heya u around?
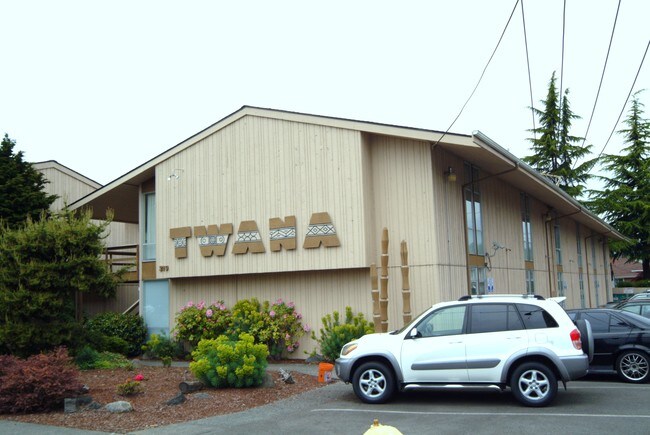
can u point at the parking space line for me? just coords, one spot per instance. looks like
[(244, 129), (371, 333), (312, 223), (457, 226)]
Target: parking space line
[(479, 414)]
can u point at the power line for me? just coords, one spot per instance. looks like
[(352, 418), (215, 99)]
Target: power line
[(626, 100), (482, 74), (530, 83), (602, 76)]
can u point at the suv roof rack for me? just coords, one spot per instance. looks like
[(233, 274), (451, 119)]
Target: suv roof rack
[(524, 296)]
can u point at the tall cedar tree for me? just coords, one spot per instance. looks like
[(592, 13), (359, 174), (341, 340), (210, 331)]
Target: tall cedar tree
[(21, 187), (555, 151), (625, 200), (43, 265)]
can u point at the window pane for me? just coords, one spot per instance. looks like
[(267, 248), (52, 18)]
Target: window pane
[(149, 233), (446, 321), (535, 317), (494, 318)]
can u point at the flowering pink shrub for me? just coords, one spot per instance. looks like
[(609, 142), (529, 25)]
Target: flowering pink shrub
[(195, 322), (277, 325), (284, 325)]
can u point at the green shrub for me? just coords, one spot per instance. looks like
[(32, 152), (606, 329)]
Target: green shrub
[(334, 334), (127, 327), (88, 358), (39, 383), (110, 360), (161, 346), (43, 264), (195, 322), (129, 388), (226, 363), (248, 318)]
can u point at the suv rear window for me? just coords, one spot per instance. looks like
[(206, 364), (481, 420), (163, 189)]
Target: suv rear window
[(535, 317), (494, 317)]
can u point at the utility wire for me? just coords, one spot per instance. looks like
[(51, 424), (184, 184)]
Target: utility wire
[(602, 76), (530, 82), (626, 100), (481, 77)]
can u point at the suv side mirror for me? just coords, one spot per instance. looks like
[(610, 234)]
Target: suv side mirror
[(414, 333)]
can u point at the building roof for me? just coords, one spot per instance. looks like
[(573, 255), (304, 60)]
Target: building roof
[(122, 194)]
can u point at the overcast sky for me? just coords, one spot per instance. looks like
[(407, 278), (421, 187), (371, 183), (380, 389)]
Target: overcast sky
[(103, 86)]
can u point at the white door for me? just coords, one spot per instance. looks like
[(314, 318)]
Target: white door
[(437, 352), (495, 332)]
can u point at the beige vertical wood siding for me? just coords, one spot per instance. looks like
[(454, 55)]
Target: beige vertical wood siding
[(66, 187), (257, 169), (126, 295)]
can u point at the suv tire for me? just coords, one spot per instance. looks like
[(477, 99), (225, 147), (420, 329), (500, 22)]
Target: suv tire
[(533, 384), (373, 382), (632, 366)]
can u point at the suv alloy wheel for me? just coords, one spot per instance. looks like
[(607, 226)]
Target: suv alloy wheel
[(534, 384)]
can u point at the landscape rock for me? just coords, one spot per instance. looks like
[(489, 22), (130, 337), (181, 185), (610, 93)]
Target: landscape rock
[(176, 400), (119, 406), (74, 404), (201, 396)]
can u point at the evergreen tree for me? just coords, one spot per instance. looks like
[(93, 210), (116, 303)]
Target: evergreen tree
[(556, 152), (43, 266), (625, 200), (21, 187)]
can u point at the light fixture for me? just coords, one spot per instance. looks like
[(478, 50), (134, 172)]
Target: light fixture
[(175, 175), (451, 175)]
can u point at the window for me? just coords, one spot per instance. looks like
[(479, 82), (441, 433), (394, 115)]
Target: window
[(530, 281), (494, 318), (560, 284), (445, 321), (526, 227), (478, 279), (535, 317), (149, 233), (599, 321), (473, 215)]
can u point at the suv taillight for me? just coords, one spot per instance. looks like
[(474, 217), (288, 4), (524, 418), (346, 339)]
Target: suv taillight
[(575, 338)]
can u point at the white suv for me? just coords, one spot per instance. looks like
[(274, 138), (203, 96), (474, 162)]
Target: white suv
[(523, 342)]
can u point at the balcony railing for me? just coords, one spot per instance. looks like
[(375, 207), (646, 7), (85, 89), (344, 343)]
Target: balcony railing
[(118, 257)]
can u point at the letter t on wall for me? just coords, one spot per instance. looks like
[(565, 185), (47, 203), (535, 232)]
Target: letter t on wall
[(180, 235)]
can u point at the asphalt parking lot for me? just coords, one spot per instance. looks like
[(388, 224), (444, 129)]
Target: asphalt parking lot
[(599, 405)]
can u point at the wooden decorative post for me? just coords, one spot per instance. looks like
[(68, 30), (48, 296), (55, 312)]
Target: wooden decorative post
[(376, 319), (406, 286), (383, 296)]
